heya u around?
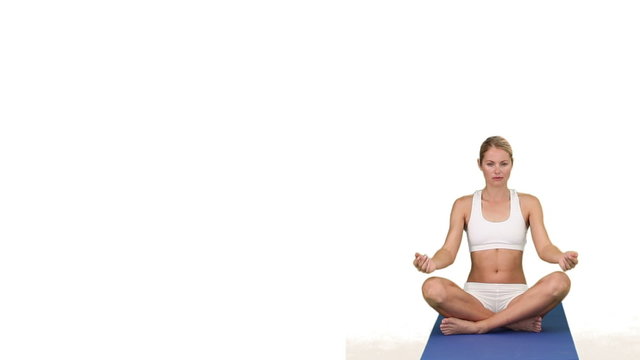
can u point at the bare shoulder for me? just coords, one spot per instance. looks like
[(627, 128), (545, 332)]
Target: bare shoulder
[(527, 197), (463, 201), (462, 205), (529, 201)]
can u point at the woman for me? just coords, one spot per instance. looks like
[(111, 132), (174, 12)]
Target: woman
[(496, 220)]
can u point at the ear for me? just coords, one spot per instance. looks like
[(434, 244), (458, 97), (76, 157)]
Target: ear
[(479, 164)]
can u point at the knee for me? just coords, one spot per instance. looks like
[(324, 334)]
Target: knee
[(559, 284), (434, 290)]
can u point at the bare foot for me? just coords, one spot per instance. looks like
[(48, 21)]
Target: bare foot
[(451, 326), (533, 324)]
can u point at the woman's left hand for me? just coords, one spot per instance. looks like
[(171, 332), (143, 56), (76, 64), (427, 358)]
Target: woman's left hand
[(568, 261)]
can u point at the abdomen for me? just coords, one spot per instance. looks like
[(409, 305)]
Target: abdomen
[(501, 266)]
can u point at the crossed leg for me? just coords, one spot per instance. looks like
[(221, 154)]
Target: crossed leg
[(466, 315), (453, 302)]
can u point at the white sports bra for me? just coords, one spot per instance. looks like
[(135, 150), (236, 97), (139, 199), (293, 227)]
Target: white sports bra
[(484, 235)]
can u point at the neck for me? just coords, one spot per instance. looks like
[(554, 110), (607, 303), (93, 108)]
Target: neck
[(495, 193)]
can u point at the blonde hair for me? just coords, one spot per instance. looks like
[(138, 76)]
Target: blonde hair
[(497, 142)]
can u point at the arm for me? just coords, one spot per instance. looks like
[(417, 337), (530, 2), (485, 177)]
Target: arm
[(447, 253), (545, 249)]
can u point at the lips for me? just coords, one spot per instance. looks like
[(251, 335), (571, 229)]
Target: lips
[(497, 178)]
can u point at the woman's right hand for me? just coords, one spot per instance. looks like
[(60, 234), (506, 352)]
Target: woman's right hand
[(424, 263)]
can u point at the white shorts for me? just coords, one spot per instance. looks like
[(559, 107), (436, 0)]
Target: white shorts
[(495, 297)]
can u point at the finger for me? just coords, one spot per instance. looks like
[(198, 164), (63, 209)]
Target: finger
[(415, 261), (423, 259), (432, 266), (575, 262), (428, 265), (569, 264), (562, 264), (425, 265)]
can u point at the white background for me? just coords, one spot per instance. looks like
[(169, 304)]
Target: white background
[(186, 179)]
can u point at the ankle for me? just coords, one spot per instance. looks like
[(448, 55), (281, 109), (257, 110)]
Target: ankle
[(482, 328)]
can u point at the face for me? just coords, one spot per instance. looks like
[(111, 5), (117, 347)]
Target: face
[(496, 166)]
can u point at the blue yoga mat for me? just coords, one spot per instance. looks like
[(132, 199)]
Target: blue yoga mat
[(553, 343)]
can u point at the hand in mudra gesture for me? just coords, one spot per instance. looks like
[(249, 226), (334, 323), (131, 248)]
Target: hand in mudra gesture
[(568, 261), (424, 263)]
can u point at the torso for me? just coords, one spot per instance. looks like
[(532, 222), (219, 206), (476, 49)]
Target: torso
[(497, 265)]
